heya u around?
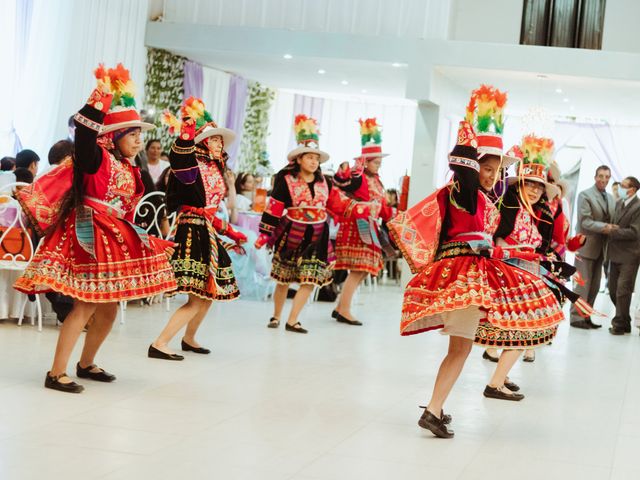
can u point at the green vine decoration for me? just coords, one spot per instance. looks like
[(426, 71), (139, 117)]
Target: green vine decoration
[(164, 89), (253, 148)]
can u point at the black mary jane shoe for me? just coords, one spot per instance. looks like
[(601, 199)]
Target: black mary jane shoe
[(435, 425), (54, 383), (491, 358), (595, 326), (99, 376), (446, 419), (190, 348), (499, 394), (155, 353), (511, 386), (334, 314), (343, 319), (296, 327), (273, 323)]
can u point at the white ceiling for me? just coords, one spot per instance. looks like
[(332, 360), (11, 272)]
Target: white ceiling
[(615, 101), (375, 78)]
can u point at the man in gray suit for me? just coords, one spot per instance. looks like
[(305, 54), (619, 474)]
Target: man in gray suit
[(595, 216), (623, 254)]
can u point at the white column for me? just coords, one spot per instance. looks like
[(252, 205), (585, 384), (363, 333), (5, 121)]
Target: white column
[(423, 167)]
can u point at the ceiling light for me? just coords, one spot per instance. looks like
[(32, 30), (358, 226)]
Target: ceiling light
[(344, 82), (558, 90), (287, 56), (396, 64), (364, 90), (322, 71), (565, 100)]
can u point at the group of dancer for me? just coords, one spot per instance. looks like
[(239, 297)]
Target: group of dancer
[(92, 251), (487, 253), (486, 249)]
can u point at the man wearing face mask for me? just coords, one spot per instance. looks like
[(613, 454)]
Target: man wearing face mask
[(595, 217), (624, 254)]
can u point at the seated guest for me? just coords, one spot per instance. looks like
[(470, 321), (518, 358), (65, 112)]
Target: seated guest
[(7, 164), (60, 151), (28, 159), (245, 187), (155, 165), (23, 175)]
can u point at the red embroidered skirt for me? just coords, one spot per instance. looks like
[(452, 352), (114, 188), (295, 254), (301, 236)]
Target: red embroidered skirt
[(124, 268), (353, 254), (513, 299)]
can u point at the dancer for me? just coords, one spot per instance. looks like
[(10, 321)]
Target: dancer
[(300, 237), (196, 187), (92, 252), (358, 247), (525, 233), (447, 241)]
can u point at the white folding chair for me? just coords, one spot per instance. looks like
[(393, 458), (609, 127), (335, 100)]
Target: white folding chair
[(151, 206), (12, 222)]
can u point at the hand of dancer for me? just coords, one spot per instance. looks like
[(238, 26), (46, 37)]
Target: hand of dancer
[(361, 210), (235, 235), (100, 98), (575, 243), (188, 129), (261, 241)]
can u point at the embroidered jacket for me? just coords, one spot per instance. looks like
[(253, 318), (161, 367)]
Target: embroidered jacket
[(302, 202), (364, 187), (196, 177)]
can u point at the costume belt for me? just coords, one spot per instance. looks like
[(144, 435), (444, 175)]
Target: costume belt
[(85, 227), (308, 215)]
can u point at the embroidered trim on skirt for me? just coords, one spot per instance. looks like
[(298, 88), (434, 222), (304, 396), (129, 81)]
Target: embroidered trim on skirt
[(353, 254), (192, 258), (121, 268), (490, 336), (303, 254), (512, 298)]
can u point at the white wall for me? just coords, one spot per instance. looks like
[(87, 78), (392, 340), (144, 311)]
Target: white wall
[(621, 32), (495, 21)]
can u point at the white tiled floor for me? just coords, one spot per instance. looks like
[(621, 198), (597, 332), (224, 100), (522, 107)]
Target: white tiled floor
[(339, 403)]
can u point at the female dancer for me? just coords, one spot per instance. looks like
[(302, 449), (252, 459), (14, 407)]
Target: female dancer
[(300, 237), (447, 240), (358, 247), (196, 187), (525, 235), (91, 251)]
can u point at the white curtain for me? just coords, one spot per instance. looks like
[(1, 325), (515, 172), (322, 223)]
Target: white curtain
[(340, 132), (65, 43), (215, 93)]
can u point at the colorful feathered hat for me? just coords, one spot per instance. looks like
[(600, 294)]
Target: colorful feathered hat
[(194, 108), (307, 138), (485, 112), (537, 154), (122, 114), (371, 139)]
